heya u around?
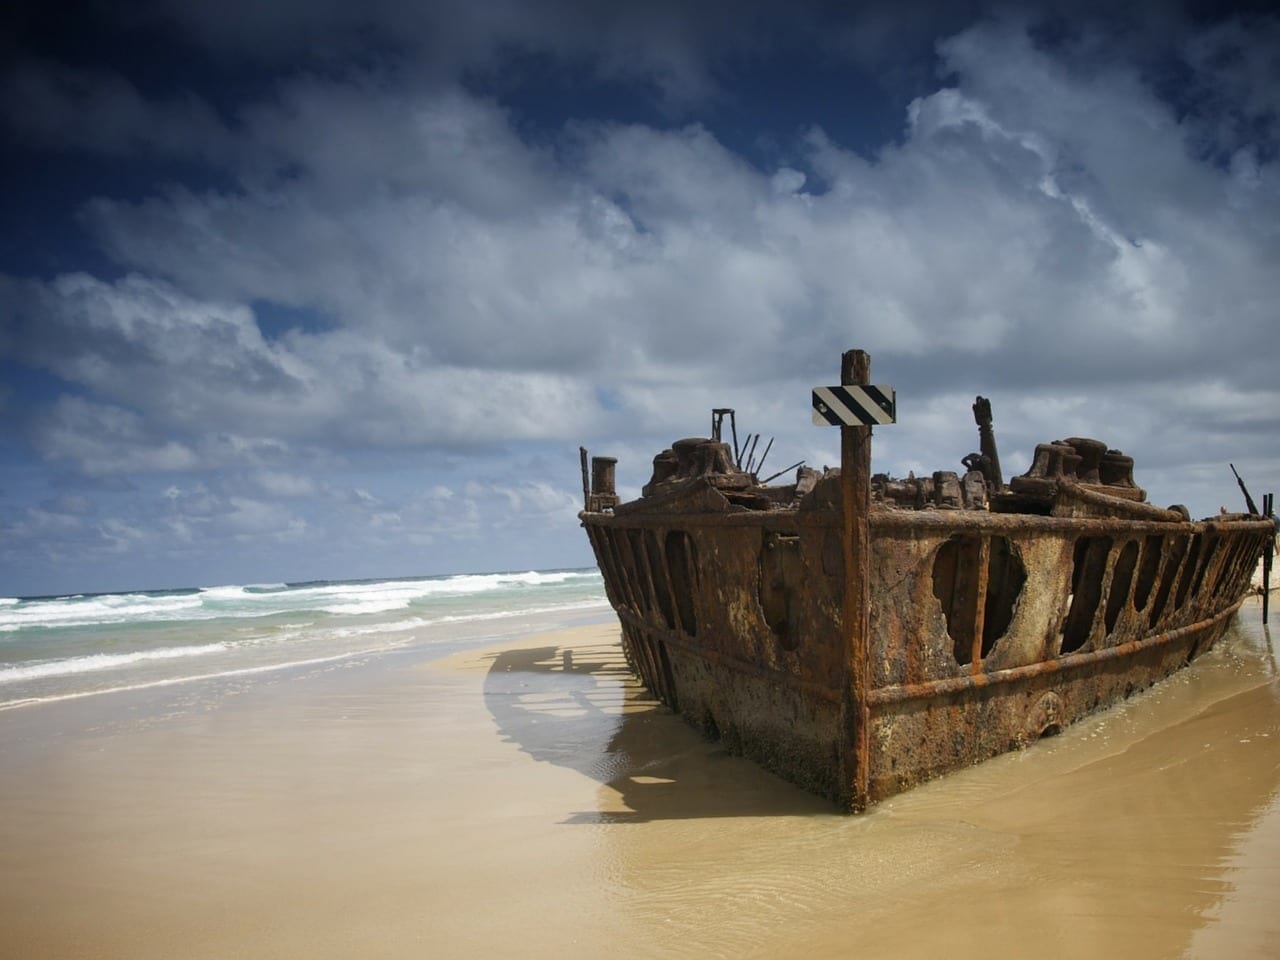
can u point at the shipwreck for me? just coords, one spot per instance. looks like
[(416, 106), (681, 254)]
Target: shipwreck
[(859, 634)]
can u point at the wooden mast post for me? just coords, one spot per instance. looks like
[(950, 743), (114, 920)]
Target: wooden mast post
[(855, 483)]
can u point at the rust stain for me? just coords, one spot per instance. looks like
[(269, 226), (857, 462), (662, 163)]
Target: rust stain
[(994, 613)]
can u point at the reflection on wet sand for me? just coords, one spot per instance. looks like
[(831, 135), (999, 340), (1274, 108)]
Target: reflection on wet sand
[(1152, 830)]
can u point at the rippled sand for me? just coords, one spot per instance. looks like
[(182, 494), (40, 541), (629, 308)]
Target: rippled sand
[(531, 801)]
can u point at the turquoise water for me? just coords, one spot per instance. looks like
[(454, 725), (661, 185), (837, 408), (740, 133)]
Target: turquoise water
[(60, 647)]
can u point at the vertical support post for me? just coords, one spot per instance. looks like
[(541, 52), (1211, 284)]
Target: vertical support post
[(1269, 511), (980, 606), (586, 483), (855, 485)]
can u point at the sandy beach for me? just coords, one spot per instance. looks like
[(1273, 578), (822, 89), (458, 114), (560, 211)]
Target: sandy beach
[(530, 800)]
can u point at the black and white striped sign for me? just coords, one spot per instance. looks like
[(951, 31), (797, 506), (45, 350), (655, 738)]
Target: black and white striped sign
[(851, 406)]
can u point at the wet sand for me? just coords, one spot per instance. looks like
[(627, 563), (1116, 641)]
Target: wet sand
[(531, 801)]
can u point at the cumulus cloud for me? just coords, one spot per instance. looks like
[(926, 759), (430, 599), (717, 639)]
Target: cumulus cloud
[(1026, 189), (102, 440), (189, 382), (437, 225), (1050, 227)]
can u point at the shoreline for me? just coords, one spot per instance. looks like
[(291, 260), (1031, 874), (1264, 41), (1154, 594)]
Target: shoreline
[(439, 637)]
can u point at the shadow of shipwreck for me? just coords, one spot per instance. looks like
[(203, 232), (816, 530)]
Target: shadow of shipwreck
[(580, 707)]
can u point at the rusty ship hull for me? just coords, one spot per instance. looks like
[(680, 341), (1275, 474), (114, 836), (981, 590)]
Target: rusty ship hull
[(982, 626)]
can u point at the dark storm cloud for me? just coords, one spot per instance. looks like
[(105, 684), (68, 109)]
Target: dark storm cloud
[(53, 105)]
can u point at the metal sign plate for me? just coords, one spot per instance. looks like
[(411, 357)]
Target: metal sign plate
[(850, 406)]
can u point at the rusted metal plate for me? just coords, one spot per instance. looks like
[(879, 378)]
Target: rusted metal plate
[(990, 619)]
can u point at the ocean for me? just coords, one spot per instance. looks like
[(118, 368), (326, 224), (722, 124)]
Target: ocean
[(54, 648)]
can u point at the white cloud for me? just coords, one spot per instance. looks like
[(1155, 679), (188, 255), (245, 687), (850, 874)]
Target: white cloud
[(1047, 230), (278, 483), (103, 440), (1041, 218), (187, 382), (1034, 208)]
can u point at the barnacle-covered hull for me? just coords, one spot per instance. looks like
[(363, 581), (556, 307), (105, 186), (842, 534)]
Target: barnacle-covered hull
[(985, 629)]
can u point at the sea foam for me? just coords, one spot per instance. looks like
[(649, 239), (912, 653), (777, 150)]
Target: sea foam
[(52, 648)]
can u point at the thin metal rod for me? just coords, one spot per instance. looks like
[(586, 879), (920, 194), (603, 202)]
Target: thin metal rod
[(1253, 508), (971, 681), (768, 446), (775, 476), (1268, 508)]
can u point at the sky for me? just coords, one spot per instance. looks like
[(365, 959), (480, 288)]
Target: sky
[(321, 290)]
